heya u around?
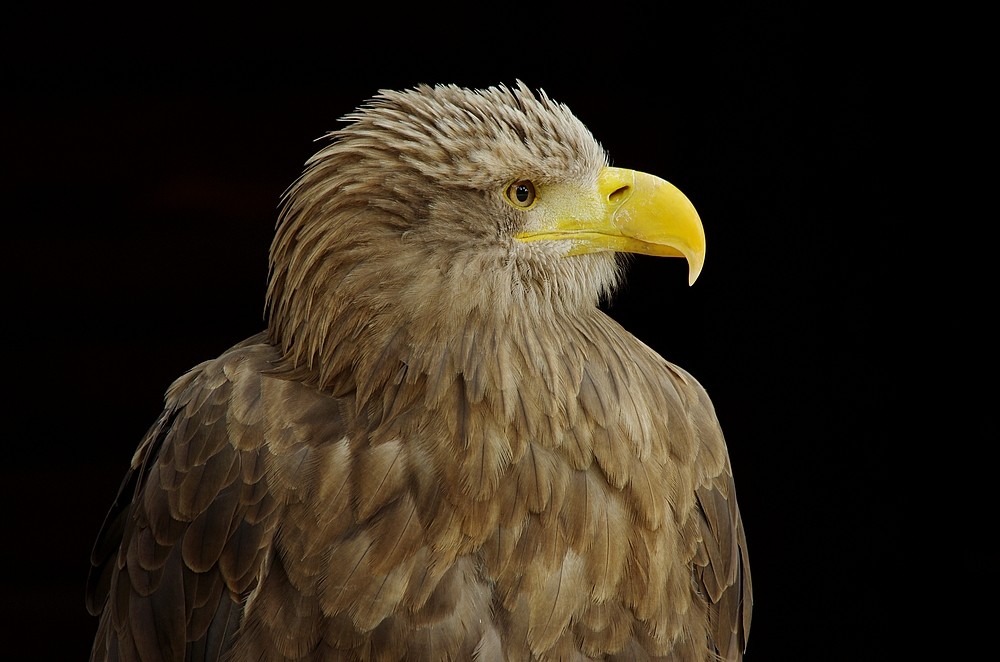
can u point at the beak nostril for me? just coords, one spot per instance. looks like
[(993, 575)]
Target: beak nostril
[(620, 194)]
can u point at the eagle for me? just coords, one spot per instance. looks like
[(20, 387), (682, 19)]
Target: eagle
[(440, 448)]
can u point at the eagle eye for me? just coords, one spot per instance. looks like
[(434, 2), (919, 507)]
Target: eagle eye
[(521, 193)]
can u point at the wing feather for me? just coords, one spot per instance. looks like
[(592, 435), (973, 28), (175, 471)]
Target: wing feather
[(721, 565), (191, 520)]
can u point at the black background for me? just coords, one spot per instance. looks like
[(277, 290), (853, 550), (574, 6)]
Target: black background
[(145, 154)]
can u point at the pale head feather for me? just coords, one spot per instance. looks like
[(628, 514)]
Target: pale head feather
[(400, 222)]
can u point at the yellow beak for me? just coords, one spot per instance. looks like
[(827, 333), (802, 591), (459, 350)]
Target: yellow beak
[(629, 212)]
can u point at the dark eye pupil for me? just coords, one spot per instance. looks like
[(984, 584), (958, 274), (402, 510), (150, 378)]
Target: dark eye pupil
[(522, 193)]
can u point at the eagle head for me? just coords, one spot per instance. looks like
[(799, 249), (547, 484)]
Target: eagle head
[(443, 203)]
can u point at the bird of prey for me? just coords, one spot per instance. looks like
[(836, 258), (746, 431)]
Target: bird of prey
[(440, 448)]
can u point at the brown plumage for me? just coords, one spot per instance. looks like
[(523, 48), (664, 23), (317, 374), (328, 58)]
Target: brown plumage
[(440, 449)]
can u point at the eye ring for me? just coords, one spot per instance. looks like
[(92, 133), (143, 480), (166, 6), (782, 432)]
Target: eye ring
[(521, 193)]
